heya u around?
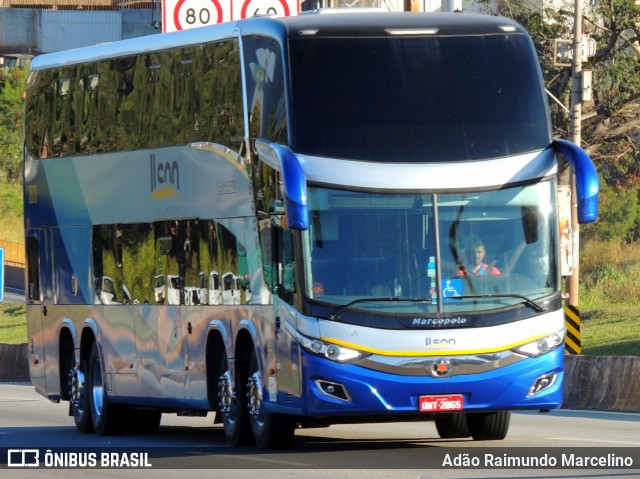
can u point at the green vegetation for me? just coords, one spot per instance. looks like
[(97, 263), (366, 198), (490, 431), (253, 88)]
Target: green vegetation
[(611, 331), (610, 275), (609, 298), (13, 323), (12, 85), (11, 223)]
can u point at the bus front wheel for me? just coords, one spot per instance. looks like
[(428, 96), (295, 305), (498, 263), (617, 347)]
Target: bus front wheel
[(270, 430), (489, 426), (452, 426)]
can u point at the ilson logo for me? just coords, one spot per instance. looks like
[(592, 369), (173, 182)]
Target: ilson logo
[(430, 341), (165, 178)]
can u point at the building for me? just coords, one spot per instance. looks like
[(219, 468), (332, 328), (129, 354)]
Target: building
[(80, 4), (43, 26)]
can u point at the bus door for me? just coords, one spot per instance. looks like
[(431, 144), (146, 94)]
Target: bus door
[(285, 285), (39, 298)]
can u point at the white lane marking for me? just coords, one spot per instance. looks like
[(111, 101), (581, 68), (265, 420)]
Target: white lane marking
[(18, 400), (274, 461), (594, 440)]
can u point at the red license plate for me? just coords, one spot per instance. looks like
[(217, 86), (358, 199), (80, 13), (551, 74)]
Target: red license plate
[(452, 402)]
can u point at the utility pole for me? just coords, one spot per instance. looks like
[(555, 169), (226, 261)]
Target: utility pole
[(576, 137)]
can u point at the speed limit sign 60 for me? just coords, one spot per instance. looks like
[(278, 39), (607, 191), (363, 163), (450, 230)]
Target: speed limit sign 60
[(250, 8), (184, 14)]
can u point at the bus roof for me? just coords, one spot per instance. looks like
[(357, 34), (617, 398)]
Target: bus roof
[(303, 25)]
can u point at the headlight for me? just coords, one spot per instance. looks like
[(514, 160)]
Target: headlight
[(330, 351), (543, 345)]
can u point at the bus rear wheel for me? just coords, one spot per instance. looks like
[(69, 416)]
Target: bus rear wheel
[(107, 418), (79, 399), (489, 426), (270, 430), (235, 418)]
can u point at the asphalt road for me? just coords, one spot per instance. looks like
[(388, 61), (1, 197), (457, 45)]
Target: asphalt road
[(11, 295), (396, 450)]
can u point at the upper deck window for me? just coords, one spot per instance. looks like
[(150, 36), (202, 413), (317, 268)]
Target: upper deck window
[(417, 99)]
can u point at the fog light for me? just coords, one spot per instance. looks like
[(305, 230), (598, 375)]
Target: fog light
[(542, 383), (334, 390)]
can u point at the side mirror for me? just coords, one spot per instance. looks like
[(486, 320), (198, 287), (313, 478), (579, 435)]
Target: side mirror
[(286, 162), (587, 183)]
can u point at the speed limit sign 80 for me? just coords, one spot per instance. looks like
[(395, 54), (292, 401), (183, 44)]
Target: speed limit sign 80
[(184, 14)]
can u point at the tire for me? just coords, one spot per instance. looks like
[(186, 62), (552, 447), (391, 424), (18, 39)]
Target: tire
[(232, 406), (143, 422), (107, 418), (453, 426), (270, 430), (79, 399), (489, 426)]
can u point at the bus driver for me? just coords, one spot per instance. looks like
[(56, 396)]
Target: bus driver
[(474, 256)]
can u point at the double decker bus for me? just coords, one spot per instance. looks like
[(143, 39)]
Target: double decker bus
[(277, 220)]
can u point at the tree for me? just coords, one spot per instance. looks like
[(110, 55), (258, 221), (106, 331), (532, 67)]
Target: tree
[(12, 87), (611, 122)]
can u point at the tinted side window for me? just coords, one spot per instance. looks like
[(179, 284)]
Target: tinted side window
[(265, 89)]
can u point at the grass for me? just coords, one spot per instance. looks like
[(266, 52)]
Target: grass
[(11, 222), (611, 331), (610, 299), (13, 323)]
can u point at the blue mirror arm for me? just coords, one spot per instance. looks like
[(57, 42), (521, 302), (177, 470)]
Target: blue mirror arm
[(587, 183), (295, 187)]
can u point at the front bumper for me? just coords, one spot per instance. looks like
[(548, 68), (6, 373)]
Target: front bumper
[(361, 391)]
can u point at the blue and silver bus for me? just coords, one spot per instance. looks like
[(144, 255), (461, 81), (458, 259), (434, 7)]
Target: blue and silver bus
[(298, 222)]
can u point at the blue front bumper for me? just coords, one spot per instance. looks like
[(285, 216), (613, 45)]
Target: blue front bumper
[(377, 393)]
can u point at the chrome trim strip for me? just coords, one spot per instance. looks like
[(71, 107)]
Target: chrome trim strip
[(423, 366)]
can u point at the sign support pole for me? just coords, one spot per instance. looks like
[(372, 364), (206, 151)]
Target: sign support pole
[(576, 119)]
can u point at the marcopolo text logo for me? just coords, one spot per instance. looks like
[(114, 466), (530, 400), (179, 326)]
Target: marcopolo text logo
[(441, 322)]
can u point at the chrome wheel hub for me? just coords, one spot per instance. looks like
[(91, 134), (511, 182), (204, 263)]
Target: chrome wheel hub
[(254, 395), (76, 388), (225, 393)]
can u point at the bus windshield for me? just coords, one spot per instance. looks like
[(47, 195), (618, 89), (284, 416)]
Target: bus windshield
[(487, 250), (417, 99)]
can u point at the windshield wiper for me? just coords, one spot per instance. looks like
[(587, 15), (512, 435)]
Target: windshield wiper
[(524, 299), (336, 314)]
